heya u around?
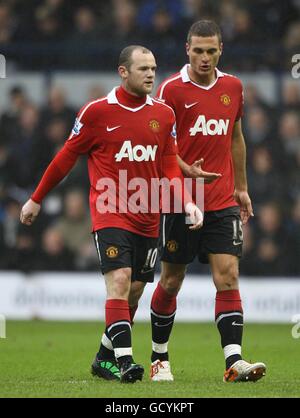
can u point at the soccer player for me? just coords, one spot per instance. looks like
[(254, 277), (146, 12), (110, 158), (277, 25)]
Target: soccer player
[(208, 105), (126, 132)]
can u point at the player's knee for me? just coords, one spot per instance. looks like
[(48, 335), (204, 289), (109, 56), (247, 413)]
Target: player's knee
[(228, 276), (172, 282), (119, 285)]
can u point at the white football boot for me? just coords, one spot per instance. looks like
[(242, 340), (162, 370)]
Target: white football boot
[(161, 371), (242, 371)]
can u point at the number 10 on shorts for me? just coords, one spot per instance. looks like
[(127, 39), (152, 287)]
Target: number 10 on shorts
[(151, 258)]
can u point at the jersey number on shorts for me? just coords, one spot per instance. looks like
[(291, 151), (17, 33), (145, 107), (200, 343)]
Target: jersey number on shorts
[(237, 232), (151, 258)]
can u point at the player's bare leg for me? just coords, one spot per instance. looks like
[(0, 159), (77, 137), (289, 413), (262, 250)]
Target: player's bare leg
[(163, 311), (136, 291), (229, 319), (118, 324)]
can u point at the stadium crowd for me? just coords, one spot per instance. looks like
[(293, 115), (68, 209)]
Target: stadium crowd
[(30, 135), (47, 34)]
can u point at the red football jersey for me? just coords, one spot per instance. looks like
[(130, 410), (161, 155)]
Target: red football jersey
[(128, 140), (205, 117)]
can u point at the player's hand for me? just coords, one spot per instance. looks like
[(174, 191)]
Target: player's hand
[(29, 212), (196, 171), (194, 215), (244, 201)]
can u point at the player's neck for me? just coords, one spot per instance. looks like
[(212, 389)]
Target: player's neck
[(129, 98), (202, 80)]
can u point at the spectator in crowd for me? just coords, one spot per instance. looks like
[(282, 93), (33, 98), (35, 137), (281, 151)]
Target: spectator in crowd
[(289, 136), (291, 95), (95, 92), (75, 227), (9, 118), (124, 25), (7, 23), (22, 256), (253, 99), (258, 126), (54, 255), (84, 38), (22, 145), (58, 108), (272, 240), (265, 182)]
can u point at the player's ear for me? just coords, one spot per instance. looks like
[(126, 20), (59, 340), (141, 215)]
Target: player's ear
[(221, 48), (123, 72), (187, 48)]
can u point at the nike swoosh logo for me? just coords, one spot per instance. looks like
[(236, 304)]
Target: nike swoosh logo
[(146, 271), (237, 325), (165, 325), (187, 106), (237, 243), (112, 129), (121, 332)]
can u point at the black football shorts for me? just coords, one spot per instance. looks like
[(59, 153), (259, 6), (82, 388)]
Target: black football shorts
[(221, 233), (118, 248)]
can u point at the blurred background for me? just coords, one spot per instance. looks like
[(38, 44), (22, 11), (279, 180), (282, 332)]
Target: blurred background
[(61, 54)]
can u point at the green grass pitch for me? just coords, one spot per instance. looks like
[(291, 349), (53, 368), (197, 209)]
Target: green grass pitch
[(52, 359)]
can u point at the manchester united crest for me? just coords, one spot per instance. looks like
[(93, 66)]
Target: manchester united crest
[(172, 246), (225, 99), (112, 252), (154, 125)]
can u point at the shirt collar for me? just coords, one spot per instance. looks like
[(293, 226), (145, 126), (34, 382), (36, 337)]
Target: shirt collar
[(186, 78), (112, 99)]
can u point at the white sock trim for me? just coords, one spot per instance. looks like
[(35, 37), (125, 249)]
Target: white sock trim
[(162, 316), (120, 352), (227, 315), (232, 349), (160, 348), (116, 324), (106, 342)]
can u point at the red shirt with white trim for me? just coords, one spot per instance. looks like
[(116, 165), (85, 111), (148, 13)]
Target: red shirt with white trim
[(205, 117), (119, 132)]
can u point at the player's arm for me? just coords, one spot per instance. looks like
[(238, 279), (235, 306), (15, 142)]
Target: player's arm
[(238, 150), (195, 170)]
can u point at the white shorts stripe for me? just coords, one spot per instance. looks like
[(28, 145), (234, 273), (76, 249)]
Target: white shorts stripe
[(97, 246), (164, 231)]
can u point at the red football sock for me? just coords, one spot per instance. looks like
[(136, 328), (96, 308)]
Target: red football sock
[(228, 301), (162, 302), (116, 310)]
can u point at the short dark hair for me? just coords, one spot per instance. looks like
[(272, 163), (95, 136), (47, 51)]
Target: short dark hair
[(204, 28), (125, 58)]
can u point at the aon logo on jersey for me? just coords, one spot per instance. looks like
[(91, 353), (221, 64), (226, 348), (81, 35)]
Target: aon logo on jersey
[(210, 127), (138, 153)]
